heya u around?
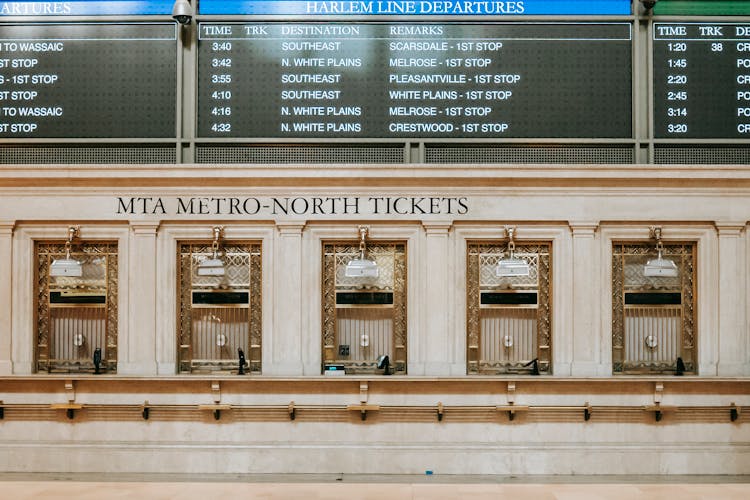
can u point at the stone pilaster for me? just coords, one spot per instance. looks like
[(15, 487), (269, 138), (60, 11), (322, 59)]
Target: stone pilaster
[(586, 300), (732, 332), (436, 338), (137, 352), (286, 337), (6, 295)]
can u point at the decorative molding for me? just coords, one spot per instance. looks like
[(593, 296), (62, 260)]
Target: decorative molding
[(437, 228), (585, 229), (290, 228), (143, 228), (7, 227), (730, 229)]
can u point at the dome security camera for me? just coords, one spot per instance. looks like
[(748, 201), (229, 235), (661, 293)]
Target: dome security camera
[(182, 12)]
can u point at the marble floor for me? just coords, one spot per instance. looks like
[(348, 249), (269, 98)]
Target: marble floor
[(324, 487)]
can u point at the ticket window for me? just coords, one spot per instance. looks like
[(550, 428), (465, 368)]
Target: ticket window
[(364, 316), (219, 307), (653, 301), (76, 295), (508, 309)]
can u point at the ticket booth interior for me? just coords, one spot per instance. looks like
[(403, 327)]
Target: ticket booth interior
[(364, 306), (219, 306), (653, 298), (76, 314), (508, 307)]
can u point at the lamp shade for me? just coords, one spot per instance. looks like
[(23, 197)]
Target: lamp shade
[(361, 268), (66, 267), (511, 267), (211, 267), (660, 268)]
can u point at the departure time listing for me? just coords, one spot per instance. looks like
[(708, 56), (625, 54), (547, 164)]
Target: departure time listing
[(701, 80), (378, 80)]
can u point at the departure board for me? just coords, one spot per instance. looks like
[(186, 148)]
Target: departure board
[(422, 80), (97, 80), (701, 80)]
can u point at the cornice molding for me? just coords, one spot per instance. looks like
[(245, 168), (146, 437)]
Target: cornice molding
[(572, 177)]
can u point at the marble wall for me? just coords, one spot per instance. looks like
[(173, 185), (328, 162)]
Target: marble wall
[(435, 210)]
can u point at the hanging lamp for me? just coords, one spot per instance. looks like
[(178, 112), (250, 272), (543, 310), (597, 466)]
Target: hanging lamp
[(213, 266), (511, 266), (659, 267), (362, 267), (67, 266)]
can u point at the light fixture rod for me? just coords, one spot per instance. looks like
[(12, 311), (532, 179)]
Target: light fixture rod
[(72, 234), (656, 234), (218, 234), (511, 243), (363, 231)]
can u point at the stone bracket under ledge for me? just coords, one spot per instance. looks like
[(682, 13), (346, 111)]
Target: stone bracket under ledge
[(386, 413)]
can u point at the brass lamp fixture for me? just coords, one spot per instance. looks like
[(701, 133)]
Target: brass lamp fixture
[(511, 265), (659, 267), (362, 267), (213, 266), (67, 266)]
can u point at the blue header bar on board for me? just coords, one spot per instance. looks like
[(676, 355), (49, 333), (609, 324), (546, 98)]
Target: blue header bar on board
[(321, 7), (414, 7), (86, 8)]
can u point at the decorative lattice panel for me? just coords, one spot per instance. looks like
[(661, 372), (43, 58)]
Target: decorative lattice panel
[(68, 329), (507, 337), (211, 335), (369, 330), (650, 334)]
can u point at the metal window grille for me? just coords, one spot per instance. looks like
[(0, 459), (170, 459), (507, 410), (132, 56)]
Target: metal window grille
[(653, 318), (508, 318), (355, 332), (220, 314), (76, 315)]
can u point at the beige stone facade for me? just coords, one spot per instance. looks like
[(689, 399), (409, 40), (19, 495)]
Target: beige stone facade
[(581, 418)]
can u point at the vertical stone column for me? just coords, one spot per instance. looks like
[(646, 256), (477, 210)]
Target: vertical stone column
[(562, 304), (167, 312), (435, 333), (137, 349), (6, 294), (732, 332), (586, 301), (288, 273)]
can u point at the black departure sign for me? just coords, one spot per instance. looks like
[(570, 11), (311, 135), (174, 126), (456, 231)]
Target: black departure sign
[(377, 80), (701, 80), (88, 80)]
